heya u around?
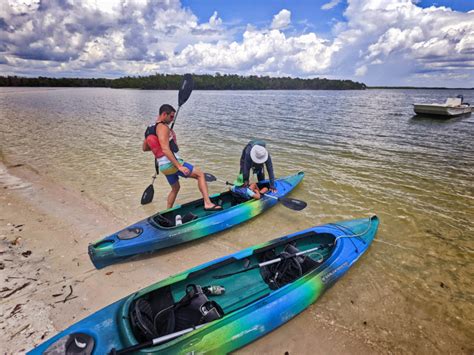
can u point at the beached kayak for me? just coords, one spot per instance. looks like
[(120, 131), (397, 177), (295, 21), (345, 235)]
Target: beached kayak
[(227, 303), (160, 230)]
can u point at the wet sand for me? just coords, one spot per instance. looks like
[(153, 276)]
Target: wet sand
[(48, 282)]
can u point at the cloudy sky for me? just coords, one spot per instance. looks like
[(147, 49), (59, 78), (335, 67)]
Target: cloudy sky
[(378, 42)]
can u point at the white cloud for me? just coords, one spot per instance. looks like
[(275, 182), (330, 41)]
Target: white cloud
[(330, 5), (400, 37), (281, 20), (261, 52), (361, 71), (214, 20)]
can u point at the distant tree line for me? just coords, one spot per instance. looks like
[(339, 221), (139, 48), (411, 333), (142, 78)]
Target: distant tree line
[(54, 82), (201, 82)]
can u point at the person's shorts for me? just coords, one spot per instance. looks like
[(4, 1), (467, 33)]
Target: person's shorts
[(172, 174), (242, 191)]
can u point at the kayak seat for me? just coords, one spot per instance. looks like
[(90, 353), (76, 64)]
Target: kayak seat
[(141, 319), (288, 270), (237, 199), (143, 312), (163, 221), (157, 314), (195, 308), (188, 217)]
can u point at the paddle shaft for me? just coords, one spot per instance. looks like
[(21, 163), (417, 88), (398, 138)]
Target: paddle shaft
[(274, 197), (154, 342), (175, 117), (273, 261)]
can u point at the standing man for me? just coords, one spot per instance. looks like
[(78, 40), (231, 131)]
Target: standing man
[(161, 140), (254, 156)]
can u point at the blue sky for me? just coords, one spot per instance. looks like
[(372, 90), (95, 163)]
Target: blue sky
[(305, 14), (378, 42)]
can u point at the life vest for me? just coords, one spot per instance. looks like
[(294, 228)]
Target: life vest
[(154, 143)]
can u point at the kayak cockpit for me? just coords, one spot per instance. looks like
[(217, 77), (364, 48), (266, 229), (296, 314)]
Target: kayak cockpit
[(194, 210), (218, 290)]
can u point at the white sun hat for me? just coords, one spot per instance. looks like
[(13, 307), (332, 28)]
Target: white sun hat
[(258, 154)]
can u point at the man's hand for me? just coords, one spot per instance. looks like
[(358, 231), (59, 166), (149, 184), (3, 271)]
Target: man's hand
[(273, 189), (184, 170)]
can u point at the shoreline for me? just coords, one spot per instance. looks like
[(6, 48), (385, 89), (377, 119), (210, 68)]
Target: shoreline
[(49, 283)]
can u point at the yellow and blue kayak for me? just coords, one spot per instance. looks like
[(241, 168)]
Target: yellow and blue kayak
[(224, 304), (161, 231)]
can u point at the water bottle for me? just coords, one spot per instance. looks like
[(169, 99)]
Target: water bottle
[(179, 220), (213, 290)]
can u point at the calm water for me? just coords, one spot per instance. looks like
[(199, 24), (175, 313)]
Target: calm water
[(363, 152)]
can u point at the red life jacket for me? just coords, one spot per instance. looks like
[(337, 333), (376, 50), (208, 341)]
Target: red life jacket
[(154, 143)]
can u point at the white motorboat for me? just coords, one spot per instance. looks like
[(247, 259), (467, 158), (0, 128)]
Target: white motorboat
[(454, 106)]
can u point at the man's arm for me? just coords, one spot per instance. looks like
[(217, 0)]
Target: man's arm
[(145, 146), (271, 175), (247, 165)]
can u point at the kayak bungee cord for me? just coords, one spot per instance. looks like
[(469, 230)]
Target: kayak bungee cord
[(358, 235), (375, 240)]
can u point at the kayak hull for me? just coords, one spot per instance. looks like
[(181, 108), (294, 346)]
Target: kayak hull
[(110, 329), (151, 236)]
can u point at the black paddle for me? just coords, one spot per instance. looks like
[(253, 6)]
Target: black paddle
[(209, 177), (291, 203), (273, 261), (185, 91), (149, 192)]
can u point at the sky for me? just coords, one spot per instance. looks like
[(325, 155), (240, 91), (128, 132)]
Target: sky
[(377, 42)]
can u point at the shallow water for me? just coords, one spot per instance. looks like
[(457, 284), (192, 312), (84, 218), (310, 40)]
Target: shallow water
[(363, 152)]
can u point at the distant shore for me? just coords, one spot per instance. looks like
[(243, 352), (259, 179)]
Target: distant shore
[(205, 82), (201, 82), (415, 88)]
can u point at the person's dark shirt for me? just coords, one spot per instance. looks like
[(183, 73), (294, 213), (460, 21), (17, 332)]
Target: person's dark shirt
[(246, 163)]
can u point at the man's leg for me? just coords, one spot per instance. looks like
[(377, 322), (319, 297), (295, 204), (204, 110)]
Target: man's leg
[(173, 180), (172, 195), (202, 184)]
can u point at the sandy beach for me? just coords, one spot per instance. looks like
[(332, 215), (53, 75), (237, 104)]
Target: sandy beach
[(48, 281)]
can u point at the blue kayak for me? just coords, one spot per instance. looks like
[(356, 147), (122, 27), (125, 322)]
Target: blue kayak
[(224, 304), (160, 230)]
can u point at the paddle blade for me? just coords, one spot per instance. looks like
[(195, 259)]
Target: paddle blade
[(209, 177), (185, 89), (147, 196), (293, 203)]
